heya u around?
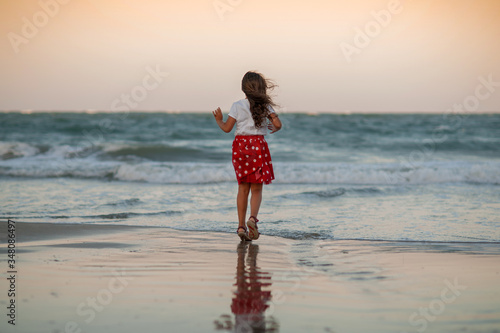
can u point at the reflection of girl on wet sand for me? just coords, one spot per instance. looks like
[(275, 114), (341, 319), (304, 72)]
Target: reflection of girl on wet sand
[(250, 301)]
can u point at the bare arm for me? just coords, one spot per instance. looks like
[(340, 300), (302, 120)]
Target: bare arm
[(275, 125), (226, 126)]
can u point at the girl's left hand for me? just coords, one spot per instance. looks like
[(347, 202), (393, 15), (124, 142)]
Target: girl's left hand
[(217, 114), (271, 128)]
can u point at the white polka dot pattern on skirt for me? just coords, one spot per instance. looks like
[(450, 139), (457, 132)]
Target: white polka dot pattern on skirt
[(253, 166)]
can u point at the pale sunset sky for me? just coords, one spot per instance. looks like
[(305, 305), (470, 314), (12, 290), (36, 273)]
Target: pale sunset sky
[(325, 55)]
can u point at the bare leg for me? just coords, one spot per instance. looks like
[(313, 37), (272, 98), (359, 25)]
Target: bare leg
[(242, 202), (255, 199)]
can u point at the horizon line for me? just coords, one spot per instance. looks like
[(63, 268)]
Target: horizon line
[(344, 112)]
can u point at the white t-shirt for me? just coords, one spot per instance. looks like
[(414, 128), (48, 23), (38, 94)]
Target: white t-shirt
[(245, 125)]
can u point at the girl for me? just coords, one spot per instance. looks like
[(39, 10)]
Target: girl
[(251, 157)]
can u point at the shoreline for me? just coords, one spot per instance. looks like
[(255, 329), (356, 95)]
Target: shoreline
[(101, 278), (52, 230)]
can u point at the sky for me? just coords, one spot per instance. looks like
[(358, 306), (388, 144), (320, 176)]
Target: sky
[(190, 55)]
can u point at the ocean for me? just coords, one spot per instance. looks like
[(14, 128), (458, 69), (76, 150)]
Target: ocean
[(394, 177)]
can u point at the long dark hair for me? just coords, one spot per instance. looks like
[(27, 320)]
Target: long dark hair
[(255, 87)]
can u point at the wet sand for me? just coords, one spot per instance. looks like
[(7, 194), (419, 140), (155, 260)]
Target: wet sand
[(94, 278)]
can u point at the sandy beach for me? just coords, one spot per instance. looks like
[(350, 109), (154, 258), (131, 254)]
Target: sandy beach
[(96, 278)]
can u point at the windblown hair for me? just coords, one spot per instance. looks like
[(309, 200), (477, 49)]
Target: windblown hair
[(255, 87)]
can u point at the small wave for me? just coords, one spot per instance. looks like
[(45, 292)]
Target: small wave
[(71, 152), (337, 192), (327, 194), (9, 150), (300, 235), (126, 215), (126, 202), (366, 190), (17, 150), (115, 216)]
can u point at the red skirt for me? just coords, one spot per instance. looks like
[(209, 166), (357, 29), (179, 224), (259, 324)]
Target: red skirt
[(252, 159)]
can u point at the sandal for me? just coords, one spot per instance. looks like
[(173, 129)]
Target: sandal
[(253, 232), (243, 235)]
